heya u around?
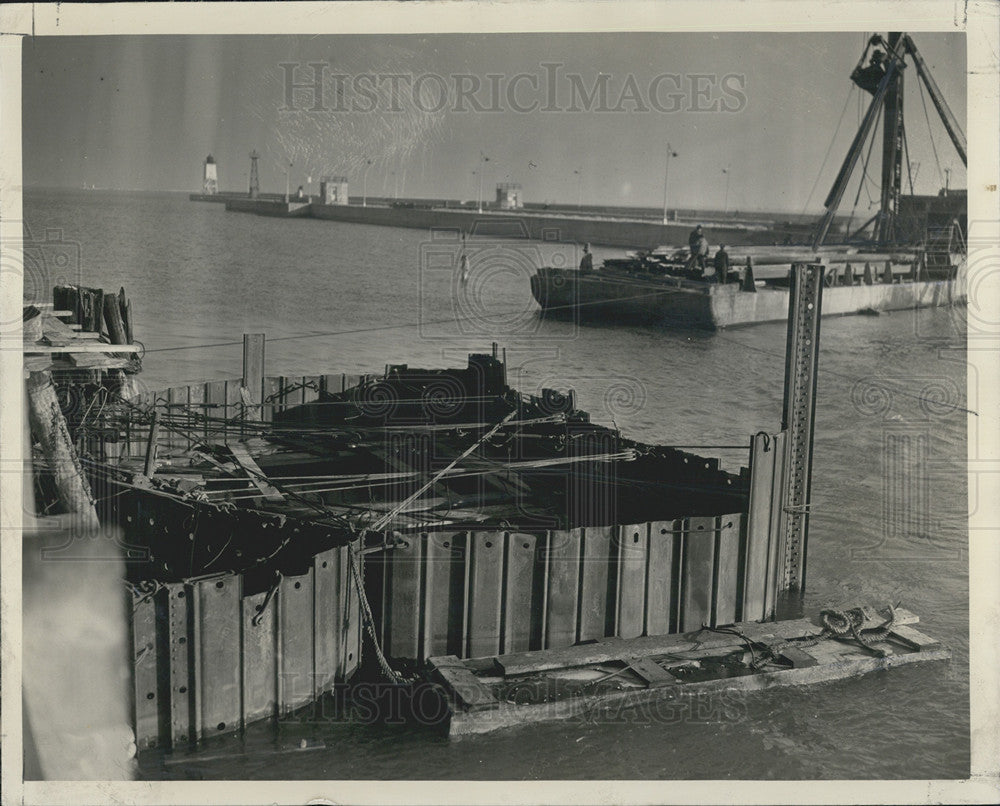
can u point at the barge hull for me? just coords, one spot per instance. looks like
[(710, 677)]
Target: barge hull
[(683, 303)]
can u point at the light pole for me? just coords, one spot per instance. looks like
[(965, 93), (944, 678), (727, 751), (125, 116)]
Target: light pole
[(364, 184), (579, 184), (725, 206), (483, 159), (666, 176), (395, 187), (288, 171)]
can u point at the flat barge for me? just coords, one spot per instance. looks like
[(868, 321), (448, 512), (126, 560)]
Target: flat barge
[(649, 290)]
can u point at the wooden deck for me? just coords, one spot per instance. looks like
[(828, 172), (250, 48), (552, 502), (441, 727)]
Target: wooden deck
[(581, 682)]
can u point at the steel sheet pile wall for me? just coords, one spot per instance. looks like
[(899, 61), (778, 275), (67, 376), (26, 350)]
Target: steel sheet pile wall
[(209, 660), (474, 594)]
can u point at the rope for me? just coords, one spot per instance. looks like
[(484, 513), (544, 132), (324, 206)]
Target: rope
[(844, 624), (369, 622)]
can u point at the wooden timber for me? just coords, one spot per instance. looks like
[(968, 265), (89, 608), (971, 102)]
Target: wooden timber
[(575, 683)]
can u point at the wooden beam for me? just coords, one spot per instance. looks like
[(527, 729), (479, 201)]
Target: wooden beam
[(49, 427), (81, 347), (246, 461), (462, 683)]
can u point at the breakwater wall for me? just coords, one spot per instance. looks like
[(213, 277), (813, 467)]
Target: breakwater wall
[(557, 228)]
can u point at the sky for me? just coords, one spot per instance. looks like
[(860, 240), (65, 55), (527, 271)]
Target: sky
[(752, 121)]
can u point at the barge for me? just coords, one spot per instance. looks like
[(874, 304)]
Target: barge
[(655, 288), (910, 254)]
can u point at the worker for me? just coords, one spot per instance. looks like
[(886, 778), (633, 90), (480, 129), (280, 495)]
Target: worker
[(587, 261), (722, 265), (698, 245)]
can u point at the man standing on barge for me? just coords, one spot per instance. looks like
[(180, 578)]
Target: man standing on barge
[(698, 245)]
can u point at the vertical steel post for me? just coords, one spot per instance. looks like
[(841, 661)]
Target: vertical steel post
[(797, 419)]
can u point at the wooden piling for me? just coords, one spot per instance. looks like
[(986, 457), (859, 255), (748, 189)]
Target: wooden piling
[(253, 374), (113, 320), (49, 428)]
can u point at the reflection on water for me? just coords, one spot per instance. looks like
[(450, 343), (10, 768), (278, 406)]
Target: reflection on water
[(889, 489)]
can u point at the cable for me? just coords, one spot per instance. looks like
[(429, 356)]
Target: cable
[(829, 148), (930, 132)]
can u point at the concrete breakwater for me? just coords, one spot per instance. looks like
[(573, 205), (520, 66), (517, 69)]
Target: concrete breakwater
[(604, 231)]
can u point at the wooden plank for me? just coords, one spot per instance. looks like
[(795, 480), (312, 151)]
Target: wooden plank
[(848, 663), (727, 563), (82, 346), (633, 542), (698, 560), (253, 370), (462, 683), (485, 576), (253, 471), (799, 658), (652, 673), (596, 582), (774, 548), (914, 639)]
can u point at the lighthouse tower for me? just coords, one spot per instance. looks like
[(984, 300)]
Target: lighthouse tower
[(210, 183)]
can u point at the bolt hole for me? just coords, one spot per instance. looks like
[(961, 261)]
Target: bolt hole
[(447, 544), (183, 690), (182, 640), (526, 545), (324, 563), (701, 527), (663, 531), (489, 544), (350, 656), (221, 726), (298, 585), (180, 594), (151, 696), (220, 584)]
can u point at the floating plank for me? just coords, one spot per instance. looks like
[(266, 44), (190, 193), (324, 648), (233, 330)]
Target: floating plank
[(913, 638), (654, 674), (463, 684), (246, 461), (818, 660)]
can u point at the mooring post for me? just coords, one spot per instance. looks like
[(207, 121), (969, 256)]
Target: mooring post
[(797, 421), (49, 427), (253, 375)]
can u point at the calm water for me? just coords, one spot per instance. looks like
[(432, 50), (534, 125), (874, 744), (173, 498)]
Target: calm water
[(366, 296)]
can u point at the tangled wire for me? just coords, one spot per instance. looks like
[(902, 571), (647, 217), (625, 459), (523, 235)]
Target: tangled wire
[(844, 624)]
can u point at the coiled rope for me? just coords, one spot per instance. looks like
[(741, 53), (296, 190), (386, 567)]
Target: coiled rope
[(844, 624)]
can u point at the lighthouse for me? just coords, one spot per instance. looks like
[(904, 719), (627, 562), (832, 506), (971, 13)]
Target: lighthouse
[(210, 182)]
